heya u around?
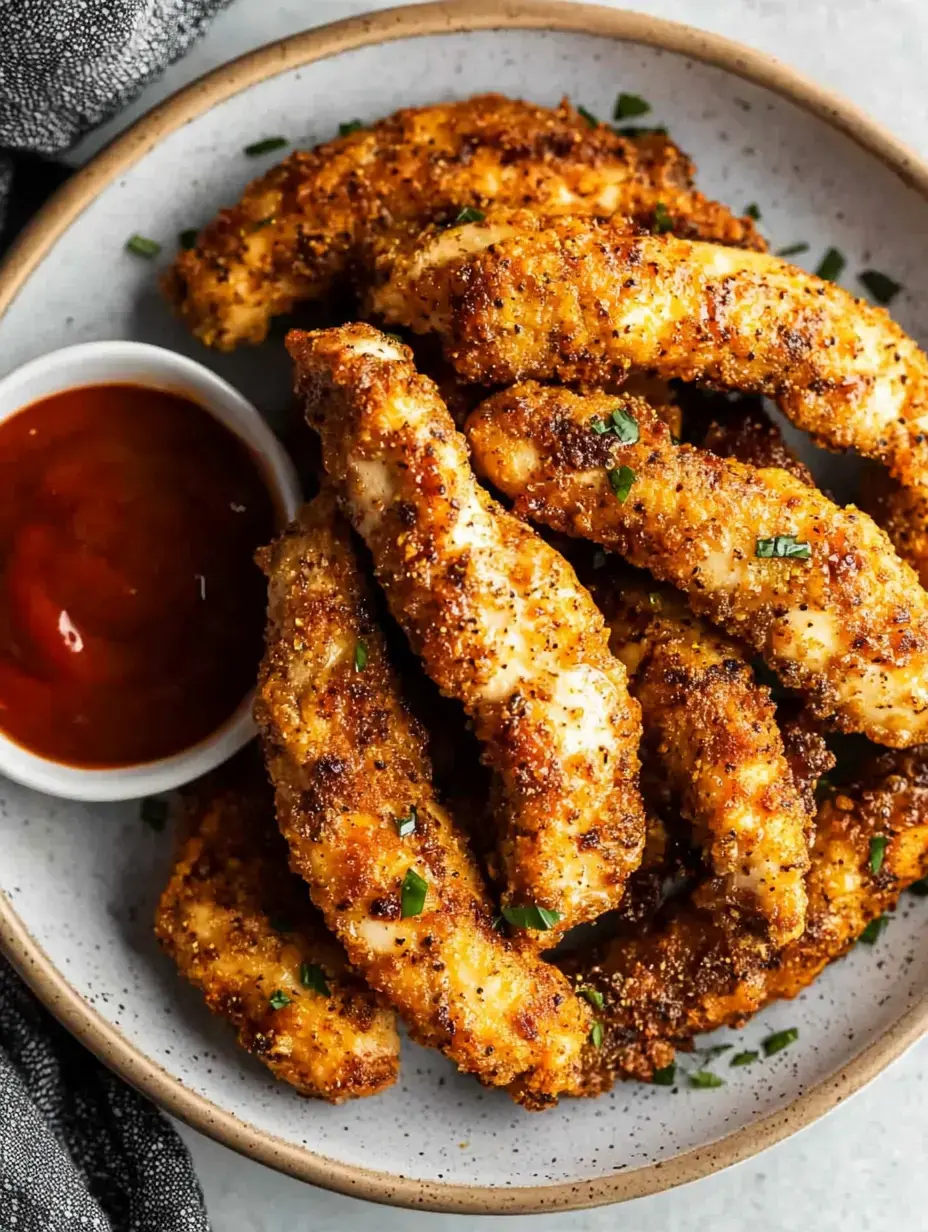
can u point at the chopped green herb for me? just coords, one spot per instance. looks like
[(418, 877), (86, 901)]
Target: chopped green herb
[(278, 999), (878, 845), (349, 127), (919, 888), (621, 479), (312, 976), (744, 1058), (662, 220), (142, 246), (704, 1079), (628, 106), (665, 1077), (620, 424), (596, 1035), (594, 996), (406, 825), (709, 1054), (591, 119), (154, 813), (872, 932), (265, 146), (883, 288), (793, 250), (530, 916), (642, 130), (412, 898), (360, 656), (468, 214), (188, 239), (831, 265), (779, 1040), (784, 546), (753, 211)]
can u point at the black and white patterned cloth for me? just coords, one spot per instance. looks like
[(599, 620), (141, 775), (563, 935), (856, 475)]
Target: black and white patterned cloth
[(79, 1150)]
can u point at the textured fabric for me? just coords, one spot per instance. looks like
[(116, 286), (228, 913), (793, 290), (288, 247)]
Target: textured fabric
[(78, 1148)]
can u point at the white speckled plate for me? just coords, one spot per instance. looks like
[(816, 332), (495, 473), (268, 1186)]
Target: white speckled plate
[(80, 882)]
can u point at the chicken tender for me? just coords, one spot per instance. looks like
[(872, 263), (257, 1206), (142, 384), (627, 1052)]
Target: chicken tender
[(713, 730), (501, 623), (297, 227), (903, 514), (240, 927), (691, 974), (740, 428), (384, 862), (815, 589)]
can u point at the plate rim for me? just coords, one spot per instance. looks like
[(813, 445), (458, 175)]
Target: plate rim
[(25, 256)]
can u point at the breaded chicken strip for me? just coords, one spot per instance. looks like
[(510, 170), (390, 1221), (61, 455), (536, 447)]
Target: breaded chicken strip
[(240, 927), (691, 974), (384, 862), (501, 623), (903, 514), (582, 300), (713, 730), (815, 589), (740, 428), (296, 227)]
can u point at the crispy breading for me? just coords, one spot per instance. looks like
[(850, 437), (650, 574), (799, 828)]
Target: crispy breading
[(691, 974), (579, 299), (240, 927), (903, 514), (384, 862), (499, 618), (713, 730), (297, 227), (846, 621)]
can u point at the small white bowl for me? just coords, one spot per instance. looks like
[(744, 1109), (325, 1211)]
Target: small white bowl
[(136, 363)]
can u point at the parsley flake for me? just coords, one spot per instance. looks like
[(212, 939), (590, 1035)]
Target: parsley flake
[(662, 220), (620, 424), (360, 656), (406, 825), (782, 546), (628, 106), (188, 239), (278, 999), (753, 211), (883, 288), (591, 119), (349, 127), (596, 1035), (793, 250), (265, 146), (594, 996), (641, 130), (412, 897), (469, 213), (873, 931), (142, 246), (530, 916), (665, 1077), (744, 1058), (831, 266), (621, 479), (779, 1040), (704, 1080), (312, 976), (878, 845)]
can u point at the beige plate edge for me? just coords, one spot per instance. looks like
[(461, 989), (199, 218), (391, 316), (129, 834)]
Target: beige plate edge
[(35, 241)]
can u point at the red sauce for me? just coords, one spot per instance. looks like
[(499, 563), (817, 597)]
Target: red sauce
[(131, 611)]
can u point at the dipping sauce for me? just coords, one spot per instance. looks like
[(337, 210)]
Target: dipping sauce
[(131, 610)]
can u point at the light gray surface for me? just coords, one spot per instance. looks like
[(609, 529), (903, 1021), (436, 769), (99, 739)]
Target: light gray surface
[(862, 1168)]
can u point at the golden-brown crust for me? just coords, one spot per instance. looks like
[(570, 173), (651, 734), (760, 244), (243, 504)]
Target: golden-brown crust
[(296, 228), (848, 625), (348, 762), (499, 618), (903, 514), (241, 928)]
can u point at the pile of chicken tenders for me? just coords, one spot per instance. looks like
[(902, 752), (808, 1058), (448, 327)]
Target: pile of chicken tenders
[(520, 646)]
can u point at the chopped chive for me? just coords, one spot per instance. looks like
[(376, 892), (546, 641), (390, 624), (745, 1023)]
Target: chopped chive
[(662, 220), (642, 130), (883, 288), (753, 211), (919, 888), (783, 546), (704, 1079), (793, 250), (468, 214), (188, 239), (349, 127), (278, 999), (360, 656), (413, 894), (265, 146), (312, 976), (878, 845), (744, 1058), (406, 825), (596, 1035), (142, 246), (874, 929), (665, 1077), (530, 916), (594, 996), (154, 813), (628, 106), (779, 1040), (831, 265), (591, 119), (621, 479)]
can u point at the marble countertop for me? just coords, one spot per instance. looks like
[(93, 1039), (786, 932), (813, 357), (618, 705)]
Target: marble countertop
[(861, 1169)]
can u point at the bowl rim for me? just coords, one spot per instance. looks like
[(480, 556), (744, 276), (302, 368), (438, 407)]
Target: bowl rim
[(230, 408), (417, 20)]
